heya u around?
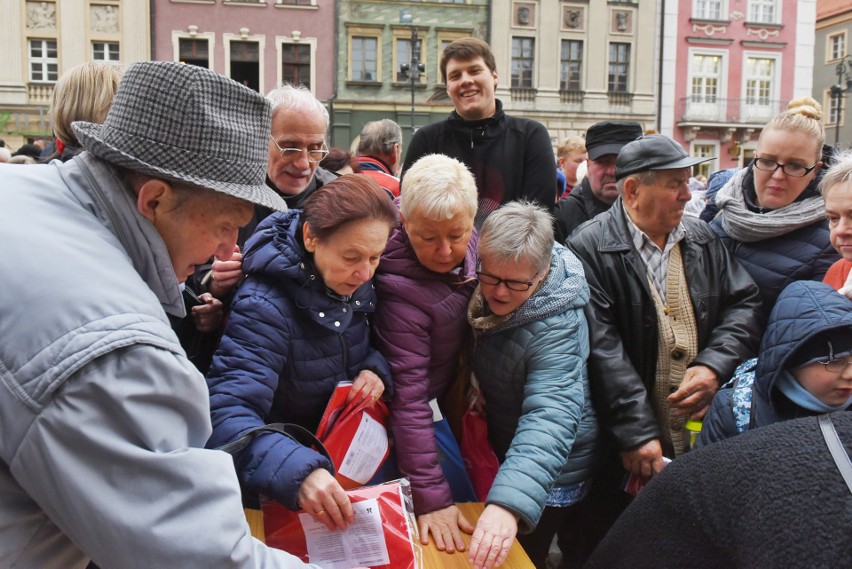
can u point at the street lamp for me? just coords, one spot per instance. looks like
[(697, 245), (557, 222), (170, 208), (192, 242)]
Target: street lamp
[(413, 68), (838, 93)]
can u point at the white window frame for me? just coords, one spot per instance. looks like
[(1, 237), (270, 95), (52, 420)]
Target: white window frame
[(534, 57), (44, 61), (713, 145), (828, 121), (211, 45), (107, 52), (754, 111), (720, 107), (279, 53), (753, 5), (584, 45), (258, 39), (830, 57), (698, 4), (630, 65)]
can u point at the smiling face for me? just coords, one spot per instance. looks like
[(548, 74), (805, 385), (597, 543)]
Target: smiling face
[(439, 245), (347, 258), (777, 189), (304, 129), (838, 209), (470, 85)]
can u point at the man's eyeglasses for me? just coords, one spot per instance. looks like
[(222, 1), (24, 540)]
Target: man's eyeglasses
[(836, 366), (517, 286), (794, 170), (314, 154)]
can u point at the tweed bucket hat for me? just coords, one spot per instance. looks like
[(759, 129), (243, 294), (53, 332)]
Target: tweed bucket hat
[(187, 124)]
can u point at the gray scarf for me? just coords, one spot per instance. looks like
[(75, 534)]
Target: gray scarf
[(742, 224)]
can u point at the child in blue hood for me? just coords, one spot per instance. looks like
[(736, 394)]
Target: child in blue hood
[(804, 366)]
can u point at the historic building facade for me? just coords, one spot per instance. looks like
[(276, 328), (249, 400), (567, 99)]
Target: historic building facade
[(833, 69)]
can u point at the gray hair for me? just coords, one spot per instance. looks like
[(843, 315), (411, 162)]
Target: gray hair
[(438, 187), (296, 98), (378, 137), (516, 231), (645, 178), (840, 173)]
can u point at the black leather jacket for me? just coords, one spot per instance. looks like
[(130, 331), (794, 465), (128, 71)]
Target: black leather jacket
[(623, 321)]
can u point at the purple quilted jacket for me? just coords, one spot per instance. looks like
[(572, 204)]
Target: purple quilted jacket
[(421, 325)]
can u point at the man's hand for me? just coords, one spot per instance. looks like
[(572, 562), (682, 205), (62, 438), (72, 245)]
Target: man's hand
[(226, 274), (693, 398), (444, 524), (493, 537), (321, 496), (645, 460), (208, 317)]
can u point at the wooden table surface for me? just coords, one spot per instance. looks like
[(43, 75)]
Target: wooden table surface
[(432, 558)]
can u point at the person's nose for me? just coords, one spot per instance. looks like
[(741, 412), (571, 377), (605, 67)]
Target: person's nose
[(301, 161), (364, 271), (843, 226), (444, 248), (225, 249), (847, 372), (779, 174)]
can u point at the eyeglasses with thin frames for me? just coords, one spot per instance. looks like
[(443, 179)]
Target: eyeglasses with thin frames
[(836, 365), (517, 286), (314, 154), (794, 170)]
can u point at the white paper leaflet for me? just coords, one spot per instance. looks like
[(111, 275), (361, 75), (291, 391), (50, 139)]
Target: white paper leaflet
[(365, 454), (363, 544)]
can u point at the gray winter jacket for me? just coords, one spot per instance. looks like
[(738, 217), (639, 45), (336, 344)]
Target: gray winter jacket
[(103, 418)]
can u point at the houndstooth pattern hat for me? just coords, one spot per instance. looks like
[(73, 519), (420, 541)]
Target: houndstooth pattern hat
[(188, 124)]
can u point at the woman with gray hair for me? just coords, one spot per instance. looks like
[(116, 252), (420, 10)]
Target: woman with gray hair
[(836, 190), (424, 282), (531, 346)]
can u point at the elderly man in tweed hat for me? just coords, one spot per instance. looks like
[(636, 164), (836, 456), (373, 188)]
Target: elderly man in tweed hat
[(103, 418)]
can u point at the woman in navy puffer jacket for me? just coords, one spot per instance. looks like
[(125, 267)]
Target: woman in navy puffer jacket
[(424, 282), (297, 327)]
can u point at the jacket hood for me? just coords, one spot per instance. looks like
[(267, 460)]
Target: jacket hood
[(399, 259), (804, 309), (565, 288)]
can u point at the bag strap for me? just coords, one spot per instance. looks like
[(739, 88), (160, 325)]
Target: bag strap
[(835, 447), (296, 433)]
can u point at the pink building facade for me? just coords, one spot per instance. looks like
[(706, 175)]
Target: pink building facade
[(728, 67), (260, 43)]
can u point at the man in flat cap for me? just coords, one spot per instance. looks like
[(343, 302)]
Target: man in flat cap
[(103, 418), (597, 192), (671, 314)]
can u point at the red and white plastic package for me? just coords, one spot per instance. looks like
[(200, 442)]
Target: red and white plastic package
[(383, 536)]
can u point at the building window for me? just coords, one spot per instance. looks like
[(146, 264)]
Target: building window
[(836, 48), (523, 61), (833, 117), (619, 67), (762, 11), (706, 74), (194, 52), (105, 51), (571, 66), (700, 150), (44, 63), (707, 10), (403, 57), (296, 64), (364, 58), (289, 2), (760, 77), (245, 63)]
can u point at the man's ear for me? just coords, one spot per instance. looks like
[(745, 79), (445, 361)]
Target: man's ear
[(152, 196), (495, 76), (629, 190)]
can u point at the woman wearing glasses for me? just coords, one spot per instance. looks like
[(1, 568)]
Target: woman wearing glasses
[(803, 367), (298, 327), (530, 351), (771, 214)]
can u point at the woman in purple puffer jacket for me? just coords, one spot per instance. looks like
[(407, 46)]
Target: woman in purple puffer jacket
[(424, 283)]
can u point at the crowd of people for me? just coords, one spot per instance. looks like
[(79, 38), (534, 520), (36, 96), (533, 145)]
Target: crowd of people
[(194, 263)]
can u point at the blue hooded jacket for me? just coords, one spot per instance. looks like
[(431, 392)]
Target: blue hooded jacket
[(804, 309), (288, 342)]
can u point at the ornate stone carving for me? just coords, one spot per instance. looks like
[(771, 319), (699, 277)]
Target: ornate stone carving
[(41, 16), (762, 33), (709, 29), (104, 19)]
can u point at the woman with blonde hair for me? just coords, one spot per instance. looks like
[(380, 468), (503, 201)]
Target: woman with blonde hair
[(83, 93), (771, 214)]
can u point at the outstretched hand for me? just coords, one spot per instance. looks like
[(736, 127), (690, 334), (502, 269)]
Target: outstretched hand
[(446, 526)]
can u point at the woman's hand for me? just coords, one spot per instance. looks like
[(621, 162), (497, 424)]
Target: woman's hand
[(366, 385), (322, 497), (493, 537), (444, 524)]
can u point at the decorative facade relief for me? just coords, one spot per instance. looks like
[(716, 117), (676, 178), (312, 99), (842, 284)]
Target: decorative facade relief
[(709, 29), (573, 18), (762, 33), (736, 15), (41, 16), (104, 19)]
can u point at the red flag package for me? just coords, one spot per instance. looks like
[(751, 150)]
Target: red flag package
[(355, 436), (383, 535)]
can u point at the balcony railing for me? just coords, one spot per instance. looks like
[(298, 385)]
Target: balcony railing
[(737, 111), (524, 93)]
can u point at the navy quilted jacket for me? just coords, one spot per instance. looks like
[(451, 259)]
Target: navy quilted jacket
[(804, 309), (287, 344)]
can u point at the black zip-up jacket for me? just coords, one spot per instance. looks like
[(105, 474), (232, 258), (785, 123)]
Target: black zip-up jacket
[(577, 208), (623, 320)]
